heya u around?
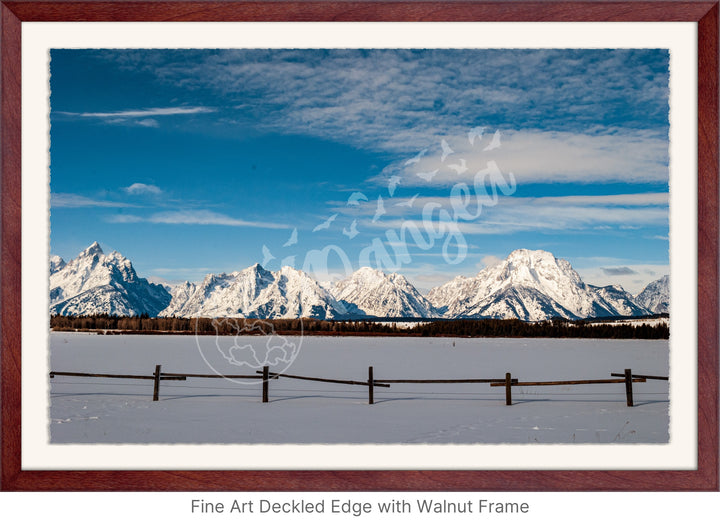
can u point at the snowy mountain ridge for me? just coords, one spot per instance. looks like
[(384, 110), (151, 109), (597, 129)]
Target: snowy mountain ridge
[(97, 283), (375, 293), (656, 296), (530, 285), (255, 293)]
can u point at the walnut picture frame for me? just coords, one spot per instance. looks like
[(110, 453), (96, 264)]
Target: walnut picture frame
[(15, 478)]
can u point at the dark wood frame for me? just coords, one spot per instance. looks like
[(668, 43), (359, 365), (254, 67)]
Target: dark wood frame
[(704, 13)]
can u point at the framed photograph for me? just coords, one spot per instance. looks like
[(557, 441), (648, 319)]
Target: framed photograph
[(359, 246)]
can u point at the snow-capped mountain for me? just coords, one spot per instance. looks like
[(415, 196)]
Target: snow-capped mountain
[(528, 285), (620, 301), (532, 286), (656, 296), (181, 294), (95, 283), (56, 264), (375, 293), (255, 293)]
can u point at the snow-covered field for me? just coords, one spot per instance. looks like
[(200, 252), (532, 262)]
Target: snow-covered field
[(100, 410)]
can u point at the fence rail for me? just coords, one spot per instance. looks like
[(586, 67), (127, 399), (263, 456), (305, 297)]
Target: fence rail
[(567, 382), (180, 377), (646, 376), (473, 380), (228, 376), (628, 378), (377, 383)]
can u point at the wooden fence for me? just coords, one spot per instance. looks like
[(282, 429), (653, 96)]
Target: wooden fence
[(156, 377), (627, 378)]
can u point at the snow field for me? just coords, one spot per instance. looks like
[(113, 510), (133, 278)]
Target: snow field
[(92, 410)]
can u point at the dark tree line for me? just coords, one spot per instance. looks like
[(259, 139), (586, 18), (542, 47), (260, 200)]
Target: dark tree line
[(438, 328), (556, 328)]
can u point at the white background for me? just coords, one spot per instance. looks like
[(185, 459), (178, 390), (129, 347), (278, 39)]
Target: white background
[(587, 510)]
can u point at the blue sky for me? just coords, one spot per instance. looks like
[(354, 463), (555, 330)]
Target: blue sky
[(203, 161)]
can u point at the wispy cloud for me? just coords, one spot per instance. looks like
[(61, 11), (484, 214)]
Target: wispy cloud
[(637, 200), (592, 271), (181, 270), (518, 214), (149, 112), (70, 200), (143, 118), (622, 270), (399, 100), (195, 217), (515, 217), (393, 205)]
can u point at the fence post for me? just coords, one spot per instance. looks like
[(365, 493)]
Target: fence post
[(371, 386), (266, 378), (156, 389), (628, 387), (508, 388)]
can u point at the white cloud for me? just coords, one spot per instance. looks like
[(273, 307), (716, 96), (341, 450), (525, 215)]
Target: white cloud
[(490, 260), (142, 188), (125, 219), (150, 123), (549, 156)]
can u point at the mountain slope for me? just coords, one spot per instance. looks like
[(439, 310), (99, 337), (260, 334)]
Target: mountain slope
[(95, 283), (374, 293), (56, 264), (656, 296), (255, 293), (181, 294), (532, 286)]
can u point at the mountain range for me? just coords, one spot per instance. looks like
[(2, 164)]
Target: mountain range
[(255, 293), (95, 283), (530, 285)]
